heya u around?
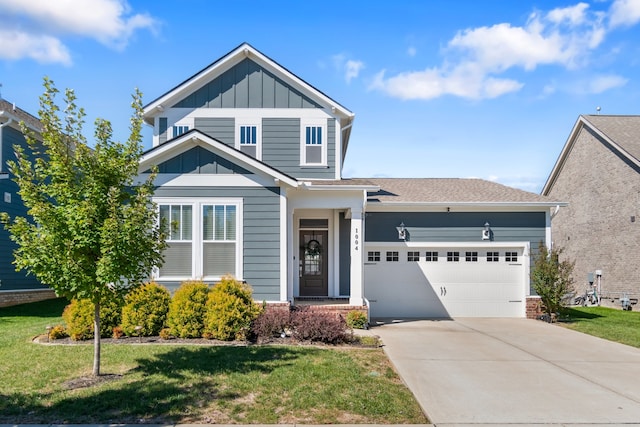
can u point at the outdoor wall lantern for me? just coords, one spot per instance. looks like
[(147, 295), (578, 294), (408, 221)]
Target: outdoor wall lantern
[(402, 232), (486, 232)]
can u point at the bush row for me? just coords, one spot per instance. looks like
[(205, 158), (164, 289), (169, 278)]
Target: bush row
[(225, 311)]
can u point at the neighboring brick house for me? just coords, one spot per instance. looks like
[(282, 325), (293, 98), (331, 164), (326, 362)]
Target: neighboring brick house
[(15, 287), (598, 174)]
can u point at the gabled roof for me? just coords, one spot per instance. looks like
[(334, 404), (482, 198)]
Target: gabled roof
[(452, 191), (620, 132), (245, 50), (195, 137)]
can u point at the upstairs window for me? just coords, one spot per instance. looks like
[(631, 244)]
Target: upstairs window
[(314, 144), (179, 130), (248, 140)]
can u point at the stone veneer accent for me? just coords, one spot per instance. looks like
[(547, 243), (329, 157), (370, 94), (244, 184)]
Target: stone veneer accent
[(9, 298)]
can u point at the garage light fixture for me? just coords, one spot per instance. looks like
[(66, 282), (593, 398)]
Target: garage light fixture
[(402, 232), (486, 232)]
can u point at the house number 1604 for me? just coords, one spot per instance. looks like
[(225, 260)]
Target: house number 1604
[(355, 237)]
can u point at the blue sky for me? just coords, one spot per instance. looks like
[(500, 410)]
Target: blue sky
[(467, 88)]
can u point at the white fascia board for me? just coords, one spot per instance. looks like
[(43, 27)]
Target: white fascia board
[(195, 138), (460, 207), (325, 187)]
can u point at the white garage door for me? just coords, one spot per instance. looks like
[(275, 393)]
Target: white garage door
[(446, 281)]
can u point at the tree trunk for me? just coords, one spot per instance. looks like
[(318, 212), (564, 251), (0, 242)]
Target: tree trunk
[(96, 339)]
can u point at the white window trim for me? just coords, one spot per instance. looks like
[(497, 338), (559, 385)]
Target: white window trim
[(304, 124), (197, 239), (258, 126)]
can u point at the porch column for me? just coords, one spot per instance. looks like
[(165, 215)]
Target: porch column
[(357, 258)]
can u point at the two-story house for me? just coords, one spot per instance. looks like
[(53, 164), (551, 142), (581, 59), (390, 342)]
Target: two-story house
[(15, 287), (250, 170)]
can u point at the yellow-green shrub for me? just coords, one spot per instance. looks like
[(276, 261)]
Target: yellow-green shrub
[(79, 316), (57, 332), (187, 309), (357, 319), (146, 306), (230, 310)]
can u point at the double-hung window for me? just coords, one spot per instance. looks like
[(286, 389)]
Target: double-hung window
[(178, 222), (204, 238), (314, 143), (248, 139), (219, 239)]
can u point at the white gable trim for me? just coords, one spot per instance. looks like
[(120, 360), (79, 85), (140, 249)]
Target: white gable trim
[(196, 138), (228, 61)]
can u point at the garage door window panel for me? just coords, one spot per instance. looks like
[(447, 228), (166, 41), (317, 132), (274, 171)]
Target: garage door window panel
[(373, 256), (431, 256), (453, 256), (511, 256), (493, 256), (471, 256), (392, 256), (413, 256)]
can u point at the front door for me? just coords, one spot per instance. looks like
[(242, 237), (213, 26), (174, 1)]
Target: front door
[(313, 263)]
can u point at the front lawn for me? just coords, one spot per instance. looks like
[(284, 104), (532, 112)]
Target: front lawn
[(608, 323), (160, 383)]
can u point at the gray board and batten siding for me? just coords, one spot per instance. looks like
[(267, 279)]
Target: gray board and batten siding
[(246, 85), (261, 233), (10, 279), (280, 144), (200, 161)]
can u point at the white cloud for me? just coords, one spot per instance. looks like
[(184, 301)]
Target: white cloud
[(624, 13), (476, 59), (603, 83), (15, 45), (45, 22), (350, 67)]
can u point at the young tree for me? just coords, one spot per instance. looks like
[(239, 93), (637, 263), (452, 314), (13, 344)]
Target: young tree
[(551, 279), (91, 232)]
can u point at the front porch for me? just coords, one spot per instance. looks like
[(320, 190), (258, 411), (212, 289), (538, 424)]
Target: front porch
[(338, 305)]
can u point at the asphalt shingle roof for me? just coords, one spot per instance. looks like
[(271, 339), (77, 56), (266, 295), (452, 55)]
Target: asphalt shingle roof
[(20, 114), (623, 130), (441, 190)]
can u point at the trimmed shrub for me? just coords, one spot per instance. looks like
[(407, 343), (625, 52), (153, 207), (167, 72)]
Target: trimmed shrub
[(57, 332), (187, 310), (117, 333), (320, 326), (165, 334), (272, 322), (146, 306), (78, 316), (356, 319), (230, 310)]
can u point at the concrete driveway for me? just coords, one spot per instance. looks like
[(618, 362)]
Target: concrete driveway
[(514, 371)]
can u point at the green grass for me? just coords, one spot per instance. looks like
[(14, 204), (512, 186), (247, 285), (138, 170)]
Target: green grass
[(192, 384), (608, 323)]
